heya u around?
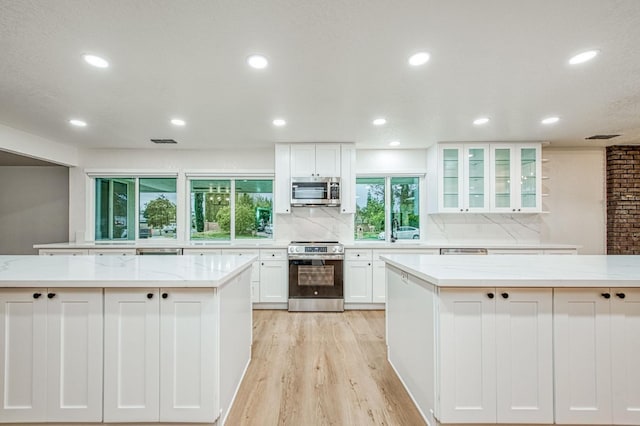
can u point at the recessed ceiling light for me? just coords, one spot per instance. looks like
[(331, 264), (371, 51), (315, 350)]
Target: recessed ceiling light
[(480, 121), (78, 123), (279, 122), (583, 57), (394, 143), (96, 61), (379, 122), (550, 120), (257, 61), (178, 122), (419, 58)]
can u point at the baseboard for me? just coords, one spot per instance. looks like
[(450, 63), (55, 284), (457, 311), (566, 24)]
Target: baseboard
[(364, 306)]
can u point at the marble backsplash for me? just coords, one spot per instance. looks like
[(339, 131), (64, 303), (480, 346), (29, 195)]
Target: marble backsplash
[(327, 223)]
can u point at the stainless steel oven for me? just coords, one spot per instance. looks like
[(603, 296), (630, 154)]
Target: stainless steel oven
[(316, 276)]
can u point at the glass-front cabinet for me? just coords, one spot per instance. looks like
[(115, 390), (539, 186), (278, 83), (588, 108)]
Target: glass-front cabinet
[(464, 183), (515, 178)]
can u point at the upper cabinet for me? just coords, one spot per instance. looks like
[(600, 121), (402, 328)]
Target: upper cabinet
[(315, 160), (300, 160), (482, 178)]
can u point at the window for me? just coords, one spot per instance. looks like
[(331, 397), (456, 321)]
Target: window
[(157, 218), (213, 207), (254, 207), (115, 209), (395, 198)]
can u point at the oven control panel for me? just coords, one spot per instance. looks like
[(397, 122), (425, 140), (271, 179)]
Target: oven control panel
[(318, 249)]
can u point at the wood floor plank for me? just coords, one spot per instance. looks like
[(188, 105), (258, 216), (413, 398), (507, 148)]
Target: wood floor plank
[(318, 368)]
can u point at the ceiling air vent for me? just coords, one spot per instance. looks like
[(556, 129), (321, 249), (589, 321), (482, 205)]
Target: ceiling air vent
[(164, 141), (601, 137)]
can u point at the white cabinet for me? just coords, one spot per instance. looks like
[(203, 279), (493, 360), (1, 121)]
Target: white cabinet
[(201, 252), (357, 281), (516, 178), (112, 252), (51, 357), (463, 178), (282, 190), (315, 160), (274, 276), (160, 358), (597, 345), (348, 179), (379, 282), (255, 270), (496, 356)]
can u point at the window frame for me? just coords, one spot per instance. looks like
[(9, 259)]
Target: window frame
[(387, 206)]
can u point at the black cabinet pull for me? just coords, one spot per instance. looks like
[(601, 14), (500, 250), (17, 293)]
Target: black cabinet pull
[(262, 263), (36, 295), (51, 295), (490, 295), (505, 295), (606, 295), (621, 295), (149, 295), (165, 295), (273, 255), (369, 264)]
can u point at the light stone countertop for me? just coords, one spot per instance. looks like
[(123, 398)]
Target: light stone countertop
[(120, 271), (521, 270)]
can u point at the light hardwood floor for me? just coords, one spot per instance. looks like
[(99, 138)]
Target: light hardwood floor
[(317, 368)]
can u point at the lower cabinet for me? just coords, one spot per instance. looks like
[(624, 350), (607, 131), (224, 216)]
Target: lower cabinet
[(53, 338), (496, 356), (274, 276), (357, 281), (597, 348), (160, 357)]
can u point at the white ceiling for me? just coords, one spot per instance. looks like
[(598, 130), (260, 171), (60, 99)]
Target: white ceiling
[(335, 65)]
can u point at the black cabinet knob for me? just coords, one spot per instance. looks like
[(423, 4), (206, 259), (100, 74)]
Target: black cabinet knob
[(606, 295), (36, 295), (505, 295), (165, 295), (262, 263), (461, 210), (369, 264), (51, 295), (273, 255), (490, 295), (514, 210), (621, 295), (149, 295)]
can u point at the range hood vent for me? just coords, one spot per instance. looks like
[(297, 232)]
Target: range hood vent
[(164, 141), (604, 137)]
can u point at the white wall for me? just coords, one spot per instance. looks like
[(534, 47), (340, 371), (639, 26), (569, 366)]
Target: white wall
[(577, 198), (19, 142), (34, 207)]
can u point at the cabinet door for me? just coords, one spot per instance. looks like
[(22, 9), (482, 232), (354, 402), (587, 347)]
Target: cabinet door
[(131, 356), (328, 159), (74, 355), (188, 364), (303, 160), (467, 356), (357, 281), (582, 359), (625, 352), (23, 355), (524, 355), (348, 179), (274, 280), (282, 189), (476, 178), (528, 185), (379, 282), (503, 176), (451, 182)]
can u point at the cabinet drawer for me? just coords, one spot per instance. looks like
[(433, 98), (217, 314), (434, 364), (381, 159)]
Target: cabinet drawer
[(273, 254), (240, 252), (201, 252), (113, 252), (67, 252), (357, 254)]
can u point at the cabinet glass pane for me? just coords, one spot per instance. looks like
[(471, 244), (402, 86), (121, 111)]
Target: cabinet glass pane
[(528, 177), (369, 217), (450, 166), (502, 183), (476, 177)]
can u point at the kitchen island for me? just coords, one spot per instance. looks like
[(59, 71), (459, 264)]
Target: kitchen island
[(517, 339), (123, 339)]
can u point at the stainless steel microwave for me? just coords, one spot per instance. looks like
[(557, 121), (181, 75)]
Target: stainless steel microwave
[(315, 191)]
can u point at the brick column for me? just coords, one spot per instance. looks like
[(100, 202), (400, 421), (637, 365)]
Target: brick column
[(623, 200)]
